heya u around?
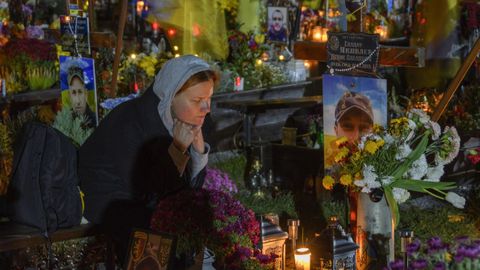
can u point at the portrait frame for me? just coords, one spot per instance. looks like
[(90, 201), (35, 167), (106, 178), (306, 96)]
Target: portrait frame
[(334, 88), (146, 246), (87, 65), (275, 34)]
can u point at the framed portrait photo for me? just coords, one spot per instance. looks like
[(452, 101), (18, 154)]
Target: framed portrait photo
[(77, 82), (351, 108), (150, 250), (278, 30)]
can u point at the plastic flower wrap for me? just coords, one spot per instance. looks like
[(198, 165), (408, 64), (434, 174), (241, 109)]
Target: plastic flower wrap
[(462, 254), (407, 156), (214, 219)]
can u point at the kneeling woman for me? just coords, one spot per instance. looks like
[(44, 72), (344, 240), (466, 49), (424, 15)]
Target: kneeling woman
[(147, 148)]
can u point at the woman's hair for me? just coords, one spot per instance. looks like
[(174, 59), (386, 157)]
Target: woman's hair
[(199, 77)]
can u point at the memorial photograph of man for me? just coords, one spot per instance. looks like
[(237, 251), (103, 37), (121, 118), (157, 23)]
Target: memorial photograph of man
[(78, 87), (352, 106), (277, 24)]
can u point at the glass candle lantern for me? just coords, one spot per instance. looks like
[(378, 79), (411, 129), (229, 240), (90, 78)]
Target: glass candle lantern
[(302, 259)]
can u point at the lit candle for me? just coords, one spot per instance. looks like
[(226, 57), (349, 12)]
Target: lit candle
[(281, 57), (381, 30), (324, 35), (302, 259), (317, 33)]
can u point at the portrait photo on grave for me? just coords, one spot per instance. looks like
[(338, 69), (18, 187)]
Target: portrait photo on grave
[(277, 24), (77, 82), (352, 106)]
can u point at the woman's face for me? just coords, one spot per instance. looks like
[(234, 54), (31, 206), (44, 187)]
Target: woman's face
[(193, 104)]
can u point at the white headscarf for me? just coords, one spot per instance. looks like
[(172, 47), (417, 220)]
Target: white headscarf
[(170, 79)]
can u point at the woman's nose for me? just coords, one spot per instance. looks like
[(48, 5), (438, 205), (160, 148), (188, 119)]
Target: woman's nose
[(205, 106)]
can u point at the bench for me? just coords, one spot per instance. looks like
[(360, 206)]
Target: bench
[(15, 236)]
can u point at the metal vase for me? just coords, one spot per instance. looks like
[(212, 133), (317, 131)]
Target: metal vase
[(374, 233)]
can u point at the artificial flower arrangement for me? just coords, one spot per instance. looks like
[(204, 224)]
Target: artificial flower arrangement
[(409, 155), (462, 254)]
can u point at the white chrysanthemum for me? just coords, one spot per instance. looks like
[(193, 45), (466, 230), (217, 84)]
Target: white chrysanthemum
[(434, 173), (419, 168), (422, 116), (361, 144), (412, 126), (455, 199), (388, 139), (367, 186), (455, 142), (403, 151), (386, 180), (369, 180), (368, 173), (400, 195), (435, 128)]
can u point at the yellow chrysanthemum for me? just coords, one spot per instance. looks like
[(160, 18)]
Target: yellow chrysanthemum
[(341, 141), (328, 182), (448, 257), (380, 143), (356, 156), (346, 179), (377, 128), (259, 38), (371, 147), (343, 153)]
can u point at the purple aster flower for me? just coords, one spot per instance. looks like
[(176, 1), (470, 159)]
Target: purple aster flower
[(461, 239), (419, 264), (472, 251), (413, 247), (397, 264), (439, 266), (435, 244), (34, 31), (218, 180), (27, 10), (458, 258)]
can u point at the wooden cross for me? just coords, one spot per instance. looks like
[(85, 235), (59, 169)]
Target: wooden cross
[(396, 56)]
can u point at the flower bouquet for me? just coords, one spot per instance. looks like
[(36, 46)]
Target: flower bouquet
[(214, 219), (409, 155), (463, 254)]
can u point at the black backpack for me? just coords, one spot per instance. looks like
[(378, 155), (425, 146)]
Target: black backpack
[(43, 191)]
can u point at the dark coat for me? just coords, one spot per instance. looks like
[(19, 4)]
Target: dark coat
[(126, 160)]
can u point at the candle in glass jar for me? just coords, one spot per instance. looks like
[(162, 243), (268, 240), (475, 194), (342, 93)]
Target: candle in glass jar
[(302, 259), (381, 30), (317, 33), (324, 34)]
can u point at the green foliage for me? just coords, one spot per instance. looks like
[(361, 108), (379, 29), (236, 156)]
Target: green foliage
[(41, 75), (449, 222), (72, 126), (282, 203), (234, 166), (335, 208)]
